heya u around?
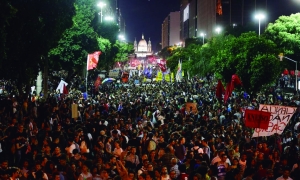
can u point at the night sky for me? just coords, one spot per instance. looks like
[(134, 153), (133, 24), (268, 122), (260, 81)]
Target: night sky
[(147, 16)]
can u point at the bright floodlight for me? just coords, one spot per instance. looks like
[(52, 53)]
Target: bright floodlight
[(122, 37), (108, 18), (101, 4), (202, 34), (260, 16), (218, 30)]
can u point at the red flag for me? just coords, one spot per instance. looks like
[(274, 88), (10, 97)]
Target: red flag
[(65, 90), (97, 83), (235, 81), (92, 60), (220, 89), (162, 67)]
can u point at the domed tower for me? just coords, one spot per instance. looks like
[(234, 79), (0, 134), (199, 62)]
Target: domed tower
[(142, 46), (149, 46), (135, 45)]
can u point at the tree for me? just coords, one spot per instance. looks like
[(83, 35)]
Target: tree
[(251, 57), (285, 33), (85, 36), (123, 50), (78, 40), (31, 28)]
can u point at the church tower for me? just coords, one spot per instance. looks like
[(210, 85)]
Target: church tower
[(135, 45), (149, 46)]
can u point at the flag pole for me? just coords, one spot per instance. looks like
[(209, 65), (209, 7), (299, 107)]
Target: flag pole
[(87, 72)]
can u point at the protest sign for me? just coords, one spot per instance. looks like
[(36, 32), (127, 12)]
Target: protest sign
[(188, 105), (257, 119), (74, 110), (280, 117)]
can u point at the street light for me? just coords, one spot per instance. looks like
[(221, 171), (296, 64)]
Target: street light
[(260, 17), (121, 37), (101, 5), (296, 71), (218, 30), (109, 18), (202, 35)]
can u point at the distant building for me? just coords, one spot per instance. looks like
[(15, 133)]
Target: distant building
[(143, 48), (171, 30), (197, 16)]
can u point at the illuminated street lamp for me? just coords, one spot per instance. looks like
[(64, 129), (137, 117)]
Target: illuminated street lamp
[(218, 30), (101, 5), (121, 37), (259, 17), (109, 18), (202, 35)]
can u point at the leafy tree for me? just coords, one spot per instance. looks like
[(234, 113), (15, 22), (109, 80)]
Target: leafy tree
[(31, 29), (7, 12), (253, 58), (106, 46), (123, 50), (285, 33), (78, 40)]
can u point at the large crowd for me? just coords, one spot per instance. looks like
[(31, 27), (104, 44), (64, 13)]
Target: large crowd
[(142, 131)]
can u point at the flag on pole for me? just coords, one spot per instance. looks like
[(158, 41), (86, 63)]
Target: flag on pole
[(60, 86), (162, 67), (97, 83), (235, 81), (92, 60), (65, 90), (220, 90)]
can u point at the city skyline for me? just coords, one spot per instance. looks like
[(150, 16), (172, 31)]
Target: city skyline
[(146, 16)]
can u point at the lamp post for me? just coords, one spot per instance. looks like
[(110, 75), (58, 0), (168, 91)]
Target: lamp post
[(218, 30), (101, 5), (259, 17), (296, 71), (202, 35)]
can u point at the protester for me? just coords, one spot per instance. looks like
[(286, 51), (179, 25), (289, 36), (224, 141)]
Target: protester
[(141, 131)]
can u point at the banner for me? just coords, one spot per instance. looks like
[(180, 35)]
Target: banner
[(257, 119), (168, 77), (74, 110), (92, 60), (97, 83), (190, 105), (280, 117), (159, 76)]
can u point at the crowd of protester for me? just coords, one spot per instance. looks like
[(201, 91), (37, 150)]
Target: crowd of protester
[(142, 132)]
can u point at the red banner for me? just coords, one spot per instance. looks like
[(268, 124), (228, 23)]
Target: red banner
[(257, 119), (97, 83)]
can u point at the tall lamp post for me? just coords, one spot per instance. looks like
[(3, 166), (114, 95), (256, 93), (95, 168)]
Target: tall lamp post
[(202, 35), (259, 17), (101, 5), (296, 71)]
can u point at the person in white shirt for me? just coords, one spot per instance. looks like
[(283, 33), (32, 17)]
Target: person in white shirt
[(118, 150), (285, 175), (218, 159), (71, 147)]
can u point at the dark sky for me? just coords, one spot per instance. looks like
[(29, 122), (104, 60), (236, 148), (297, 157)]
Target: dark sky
[(146, 16)]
